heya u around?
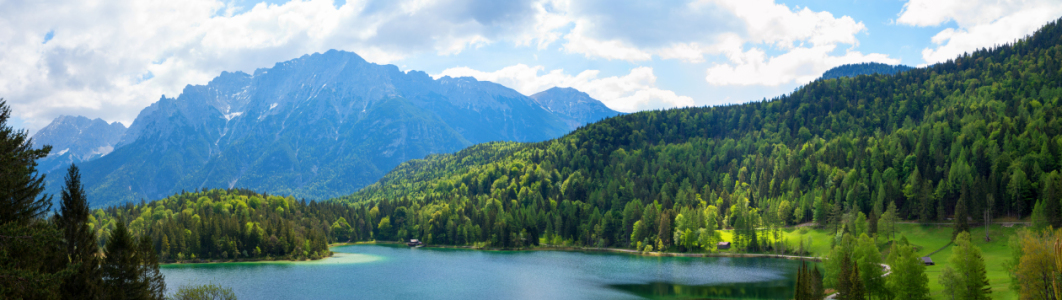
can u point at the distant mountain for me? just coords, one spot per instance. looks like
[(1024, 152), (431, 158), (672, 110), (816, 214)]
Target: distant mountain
[(574, 105), (319, 126), (75, 139), (853, 70)]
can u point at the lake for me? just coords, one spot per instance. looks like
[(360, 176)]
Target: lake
[(396, 272)]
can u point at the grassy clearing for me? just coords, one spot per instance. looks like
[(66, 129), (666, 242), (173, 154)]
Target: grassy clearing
[(929, 238)]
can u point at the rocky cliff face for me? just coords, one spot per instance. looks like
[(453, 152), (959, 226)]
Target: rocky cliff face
[(75, 139), (319, 126), (577, 107)]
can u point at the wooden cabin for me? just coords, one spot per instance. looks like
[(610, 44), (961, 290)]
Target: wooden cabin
[(928, 261), (723, 245), (414, 243)]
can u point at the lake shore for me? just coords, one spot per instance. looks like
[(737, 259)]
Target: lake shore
[(611, 250), (225, 261)]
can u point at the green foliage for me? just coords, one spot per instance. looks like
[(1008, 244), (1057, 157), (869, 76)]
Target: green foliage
[(833, 148), (908, 278), (57, 258), (209, 291), (79, 241), (868, 259), (238, 225), (968, 279), (33, 263), (853, 70)]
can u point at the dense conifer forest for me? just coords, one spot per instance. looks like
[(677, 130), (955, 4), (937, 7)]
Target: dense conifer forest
[(228, 225), (976, 136), (853, 70)]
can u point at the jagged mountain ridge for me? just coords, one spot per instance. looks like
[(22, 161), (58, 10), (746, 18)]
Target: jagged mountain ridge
[(577, 106), (318, 126), (75, 139)]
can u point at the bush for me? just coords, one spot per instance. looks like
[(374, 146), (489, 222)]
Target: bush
[(204, 292)]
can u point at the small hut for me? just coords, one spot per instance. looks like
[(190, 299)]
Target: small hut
[(723, 245), (414, 243), (928, 261)]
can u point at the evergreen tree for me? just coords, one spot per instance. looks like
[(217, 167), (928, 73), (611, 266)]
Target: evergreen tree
[(79, 240), (1052, 195), (123, 276), (155, 283), (961, 215), (803, 282), (868, 259), (21, 187), (856, 290), (32, 262), (969, 271), (818, 291)]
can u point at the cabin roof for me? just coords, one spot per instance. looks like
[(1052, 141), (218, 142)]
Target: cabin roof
[(927, 260)]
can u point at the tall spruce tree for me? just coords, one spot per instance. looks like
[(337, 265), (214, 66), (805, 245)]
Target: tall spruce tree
[(969, 267), (844, 278), (79, 240), (961, 215), (802, 283), (856, 289), (1052, 195), (155, 283), (817, 289), (122, 274), (22, 197), (32, 263)]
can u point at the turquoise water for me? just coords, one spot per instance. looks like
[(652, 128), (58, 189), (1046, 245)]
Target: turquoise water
[(392, 272)]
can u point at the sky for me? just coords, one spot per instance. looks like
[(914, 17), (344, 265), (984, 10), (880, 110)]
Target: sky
[(111, 58)]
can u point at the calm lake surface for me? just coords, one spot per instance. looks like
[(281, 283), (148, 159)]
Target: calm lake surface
[(393, 272)]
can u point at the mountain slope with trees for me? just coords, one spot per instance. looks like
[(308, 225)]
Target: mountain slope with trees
[(319, 126), (979, 133), (871, 68)]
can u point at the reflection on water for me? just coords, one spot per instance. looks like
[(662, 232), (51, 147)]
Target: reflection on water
[(666, 290), (391, 272), (337, 258)]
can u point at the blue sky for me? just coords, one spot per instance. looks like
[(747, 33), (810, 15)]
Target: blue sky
[(111, 59)]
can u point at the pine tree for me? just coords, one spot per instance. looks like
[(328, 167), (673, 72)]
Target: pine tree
[(1052, 195), (80, 242), (970, 267), (122, 273), (22, 197), (802, 283), (155, 283), (856, 290), (844, 278), (817, 289), (32, 262), (961, 224)]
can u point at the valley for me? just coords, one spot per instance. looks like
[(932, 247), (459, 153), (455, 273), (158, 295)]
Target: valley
[(307, 179)]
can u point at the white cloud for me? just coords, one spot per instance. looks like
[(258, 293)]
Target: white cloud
[(110, 59), (980, 23), (632, 92), (799, 65), (636, 31)]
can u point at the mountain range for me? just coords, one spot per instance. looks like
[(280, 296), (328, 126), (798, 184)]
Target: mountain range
[(319, 126), (75, 139)]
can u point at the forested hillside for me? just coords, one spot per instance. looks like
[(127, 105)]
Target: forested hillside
[(228, 225), (853, 70), (979, 133)]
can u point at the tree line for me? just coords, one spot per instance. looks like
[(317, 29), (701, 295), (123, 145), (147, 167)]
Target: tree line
[(46, 255), (230, 224), (976, 136)]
